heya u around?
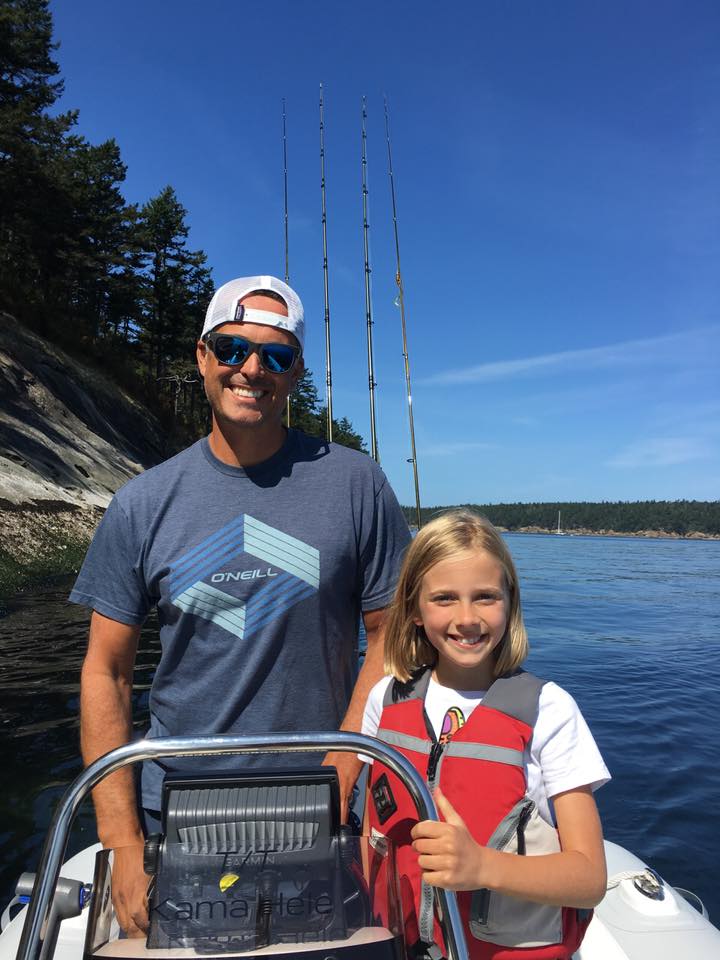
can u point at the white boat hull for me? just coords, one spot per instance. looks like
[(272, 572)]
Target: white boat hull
[(627, 925)]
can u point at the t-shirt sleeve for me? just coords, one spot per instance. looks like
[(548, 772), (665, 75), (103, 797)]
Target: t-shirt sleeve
[(383, 550), (373, 712), (563, 746), (110, 580)]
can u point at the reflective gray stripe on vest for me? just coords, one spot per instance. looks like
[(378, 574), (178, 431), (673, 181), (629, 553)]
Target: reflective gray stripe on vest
[(456, 748), (485, 751), (397, 739), (426, 913)]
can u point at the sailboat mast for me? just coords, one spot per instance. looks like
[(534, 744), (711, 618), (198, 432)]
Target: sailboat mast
[(401, 304), (368, 296), (328, 364), (287, 246)]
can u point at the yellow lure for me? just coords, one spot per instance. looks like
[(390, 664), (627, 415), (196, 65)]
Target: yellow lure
[(227, 880)]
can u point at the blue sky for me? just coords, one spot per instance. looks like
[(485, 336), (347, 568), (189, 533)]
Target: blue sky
[(557, 172)]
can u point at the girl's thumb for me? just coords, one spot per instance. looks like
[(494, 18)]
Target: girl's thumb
[(447, 809)]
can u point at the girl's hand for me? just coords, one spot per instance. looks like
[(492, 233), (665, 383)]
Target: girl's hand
[(449, 857)]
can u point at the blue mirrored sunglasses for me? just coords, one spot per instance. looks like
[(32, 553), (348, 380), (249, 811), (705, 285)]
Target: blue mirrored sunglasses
[(233, 350)]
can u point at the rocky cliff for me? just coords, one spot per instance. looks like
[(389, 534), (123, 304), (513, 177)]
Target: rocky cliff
[(69, 437)]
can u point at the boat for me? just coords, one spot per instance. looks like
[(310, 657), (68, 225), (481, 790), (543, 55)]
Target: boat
[(258, 865), (559, 531)]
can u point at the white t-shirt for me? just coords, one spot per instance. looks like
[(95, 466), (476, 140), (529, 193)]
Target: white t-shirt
[(561, 755)]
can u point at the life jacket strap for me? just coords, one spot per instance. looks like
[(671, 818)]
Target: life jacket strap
[(423, 950)]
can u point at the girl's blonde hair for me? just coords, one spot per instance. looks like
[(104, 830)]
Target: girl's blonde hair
[(407, 649)]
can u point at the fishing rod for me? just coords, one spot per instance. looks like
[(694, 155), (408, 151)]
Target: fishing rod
[(287, 246), (328, 365), (401, 303), (368, 298)]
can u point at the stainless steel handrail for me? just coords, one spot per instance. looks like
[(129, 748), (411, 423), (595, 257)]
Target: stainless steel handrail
[(55, 845)]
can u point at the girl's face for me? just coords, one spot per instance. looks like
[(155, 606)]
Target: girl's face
[(463, 607)]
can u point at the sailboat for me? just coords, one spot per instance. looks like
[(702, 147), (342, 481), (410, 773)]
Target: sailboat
[(559, 531)]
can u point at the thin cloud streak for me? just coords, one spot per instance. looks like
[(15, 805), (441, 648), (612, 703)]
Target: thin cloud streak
[(662, 452), (628, 353)]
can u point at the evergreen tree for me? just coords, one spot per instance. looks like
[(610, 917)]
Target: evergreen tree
[(96, 232), (343, 432), (31, 141), (304, 405), (177, 281), (307, 415)]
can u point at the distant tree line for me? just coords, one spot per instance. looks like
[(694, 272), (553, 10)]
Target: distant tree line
[(680, 517), (114, 283)]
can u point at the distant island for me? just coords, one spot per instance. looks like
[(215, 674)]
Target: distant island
[(693, 519)]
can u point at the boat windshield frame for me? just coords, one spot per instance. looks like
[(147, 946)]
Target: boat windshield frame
[(54, 849)]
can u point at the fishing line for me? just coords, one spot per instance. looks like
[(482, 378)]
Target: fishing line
[(368, 295), (326, 287), (401, 304)]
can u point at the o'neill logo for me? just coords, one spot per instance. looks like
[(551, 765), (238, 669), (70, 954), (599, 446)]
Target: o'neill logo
[(290, 572), (242, 575)]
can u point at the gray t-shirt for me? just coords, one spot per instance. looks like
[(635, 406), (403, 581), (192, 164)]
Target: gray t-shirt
[(259, 576)]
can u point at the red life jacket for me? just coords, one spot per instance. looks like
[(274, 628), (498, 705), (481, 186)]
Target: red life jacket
[(481, 771)]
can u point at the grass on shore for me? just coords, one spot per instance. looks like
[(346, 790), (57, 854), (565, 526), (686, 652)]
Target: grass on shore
[(59, 558)]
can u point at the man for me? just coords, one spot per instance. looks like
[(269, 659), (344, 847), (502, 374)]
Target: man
[(259, 547)]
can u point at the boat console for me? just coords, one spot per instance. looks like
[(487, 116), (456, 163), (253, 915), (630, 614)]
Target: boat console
[(250, 862)]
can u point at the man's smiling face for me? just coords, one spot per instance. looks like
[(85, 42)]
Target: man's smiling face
[(247, 395)]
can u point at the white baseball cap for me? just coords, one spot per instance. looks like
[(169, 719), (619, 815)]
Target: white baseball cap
[(224, 305)]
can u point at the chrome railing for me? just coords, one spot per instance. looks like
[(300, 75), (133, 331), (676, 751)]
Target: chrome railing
[(51, 858)]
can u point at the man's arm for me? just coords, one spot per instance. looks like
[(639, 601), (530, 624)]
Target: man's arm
[(106, 723), (348, 765)]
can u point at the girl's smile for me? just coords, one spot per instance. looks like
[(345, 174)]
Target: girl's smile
[(463, 607)]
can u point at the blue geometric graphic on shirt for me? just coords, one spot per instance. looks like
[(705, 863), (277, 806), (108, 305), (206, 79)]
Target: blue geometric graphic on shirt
[(239, 618), (274, 599), (214, 605), (206, 557), (245, 534), (300, 578), (283, 551)]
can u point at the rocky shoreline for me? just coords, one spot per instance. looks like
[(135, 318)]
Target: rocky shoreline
[(42, 541), (586, 532)]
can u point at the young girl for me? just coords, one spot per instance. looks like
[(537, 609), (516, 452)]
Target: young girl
[(509, 757)]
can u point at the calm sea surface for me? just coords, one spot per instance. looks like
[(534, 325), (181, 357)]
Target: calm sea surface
[(630, 627)]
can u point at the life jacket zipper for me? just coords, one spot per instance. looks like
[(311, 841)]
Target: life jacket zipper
[(426, 912), (481, 899), (435, 754)]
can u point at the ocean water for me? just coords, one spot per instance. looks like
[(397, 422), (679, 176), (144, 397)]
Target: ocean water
[(631, 627)]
